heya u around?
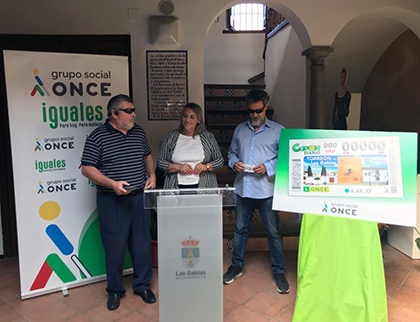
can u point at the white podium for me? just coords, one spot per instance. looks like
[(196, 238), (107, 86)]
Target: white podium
[(190, 252)]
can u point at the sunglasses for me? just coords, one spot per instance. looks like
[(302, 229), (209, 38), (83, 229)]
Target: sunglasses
[(258, 111), (127, 110)]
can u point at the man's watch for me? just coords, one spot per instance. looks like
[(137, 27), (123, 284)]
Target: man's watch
[(208, 167)]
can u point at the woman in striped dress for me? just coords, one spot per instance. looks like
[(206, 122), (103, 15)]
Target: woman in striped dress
[(190, 155)]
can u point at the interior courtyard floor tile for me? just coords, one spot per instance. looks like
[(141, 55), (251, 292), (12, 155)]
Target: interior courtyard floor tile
[(252, 297)]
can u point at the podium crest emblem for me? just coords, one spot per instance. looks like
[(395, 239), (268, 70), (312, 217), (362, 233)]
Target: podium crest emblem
[(190, 252)]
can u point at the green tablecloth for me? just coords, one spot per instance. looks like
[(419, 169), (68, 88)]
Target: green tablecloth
[(340, 271)]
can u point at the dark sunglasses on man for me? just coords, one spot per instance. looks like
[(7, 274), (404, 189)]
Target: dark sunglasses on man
[(258, 111), (127, 110)]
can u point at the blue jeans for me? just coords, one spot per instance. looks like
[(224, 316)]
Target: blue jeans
[(243, 210)]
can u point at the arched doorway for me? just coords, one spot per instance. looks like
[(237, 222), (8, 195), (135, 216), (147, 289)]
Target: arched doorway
[(231, 62), (381, 54)]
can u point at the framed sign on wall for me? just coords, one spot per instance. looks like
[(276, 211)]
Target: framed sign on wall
[(167, 83)]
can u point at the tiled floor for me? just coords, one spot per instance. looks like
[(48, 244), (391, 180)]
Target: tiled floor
[(252, 297)]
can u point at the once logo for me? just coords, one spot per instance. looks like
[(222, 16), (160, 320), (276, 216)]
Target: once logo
[(39, 86), (344, 211), (61, 185), (316, 189), (91, 89), (59, 146), (41, 188), (38, 146), (64, 143)]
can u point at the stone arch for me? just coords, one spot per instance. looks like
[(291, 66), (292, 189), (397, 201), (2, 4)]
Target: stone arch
[(292, 45), (361, 42), (291, 16)]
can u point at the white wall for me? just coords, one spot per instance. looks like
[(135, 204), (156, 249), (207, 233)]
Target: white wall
[(316, 22), (111, 17), (285, 78), (232, 58)]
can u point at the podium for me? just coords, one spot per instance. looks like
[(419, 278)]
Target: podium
[(190, 252)]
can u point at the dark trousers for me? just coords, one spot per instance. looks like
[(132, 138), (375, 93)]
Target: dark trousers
[(243, 211), (124, 222)]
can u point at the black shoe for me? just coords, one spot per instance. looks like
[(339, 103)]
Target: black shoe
[(231, 274), (147, 296), (113, 301), (282, 284)]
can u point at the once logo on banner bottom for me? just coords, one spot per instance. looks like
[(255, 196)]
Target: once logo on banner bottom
[(341, 209)]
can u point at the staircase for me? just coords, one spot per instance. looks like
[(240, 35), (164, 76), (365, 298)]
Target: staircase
[(225, 108)]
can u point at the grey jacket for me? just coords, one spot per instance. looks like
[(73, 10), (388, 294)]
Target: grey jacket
[(212, 155)]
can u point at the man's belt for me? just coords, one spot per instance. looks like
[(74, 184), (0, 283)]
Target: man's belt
[(132, 193)]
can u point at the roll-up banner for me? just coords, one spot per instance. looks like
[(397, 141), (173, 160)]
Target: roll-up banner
[(350, 174), (55, 100)]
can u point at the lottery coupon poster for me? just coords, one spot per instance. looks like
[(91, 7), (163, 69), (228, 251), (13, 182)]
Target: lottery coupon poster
[(351, 174)]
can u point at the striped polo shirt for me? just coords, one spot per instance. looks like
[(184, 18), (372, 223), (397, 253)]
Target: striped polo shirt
[(118, 156)]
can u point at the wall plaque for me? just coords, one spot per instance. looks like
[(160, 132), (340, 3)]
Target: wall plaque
[(167, 83)]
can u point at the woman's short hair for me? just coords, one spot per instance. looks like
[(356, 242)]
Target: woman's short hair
[(198, 111)]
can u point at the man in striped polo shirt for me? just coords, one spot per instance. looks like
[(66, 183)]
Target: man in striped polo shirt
[(117, 158)]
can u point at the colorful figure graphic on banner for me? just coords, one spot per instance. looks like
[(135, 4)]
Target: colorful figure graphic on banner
[(341, 103), (325, 207), (90, 250), (41, 188), (40, 88), (38, 146), (50, 210), (91, 257)]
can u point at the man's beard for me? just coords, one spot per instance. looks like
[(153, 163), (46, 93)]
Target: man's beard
[(128, 126), (257, 122)]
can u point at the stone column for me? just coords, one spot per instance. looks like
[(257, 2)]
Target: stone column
[(317, 111)]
